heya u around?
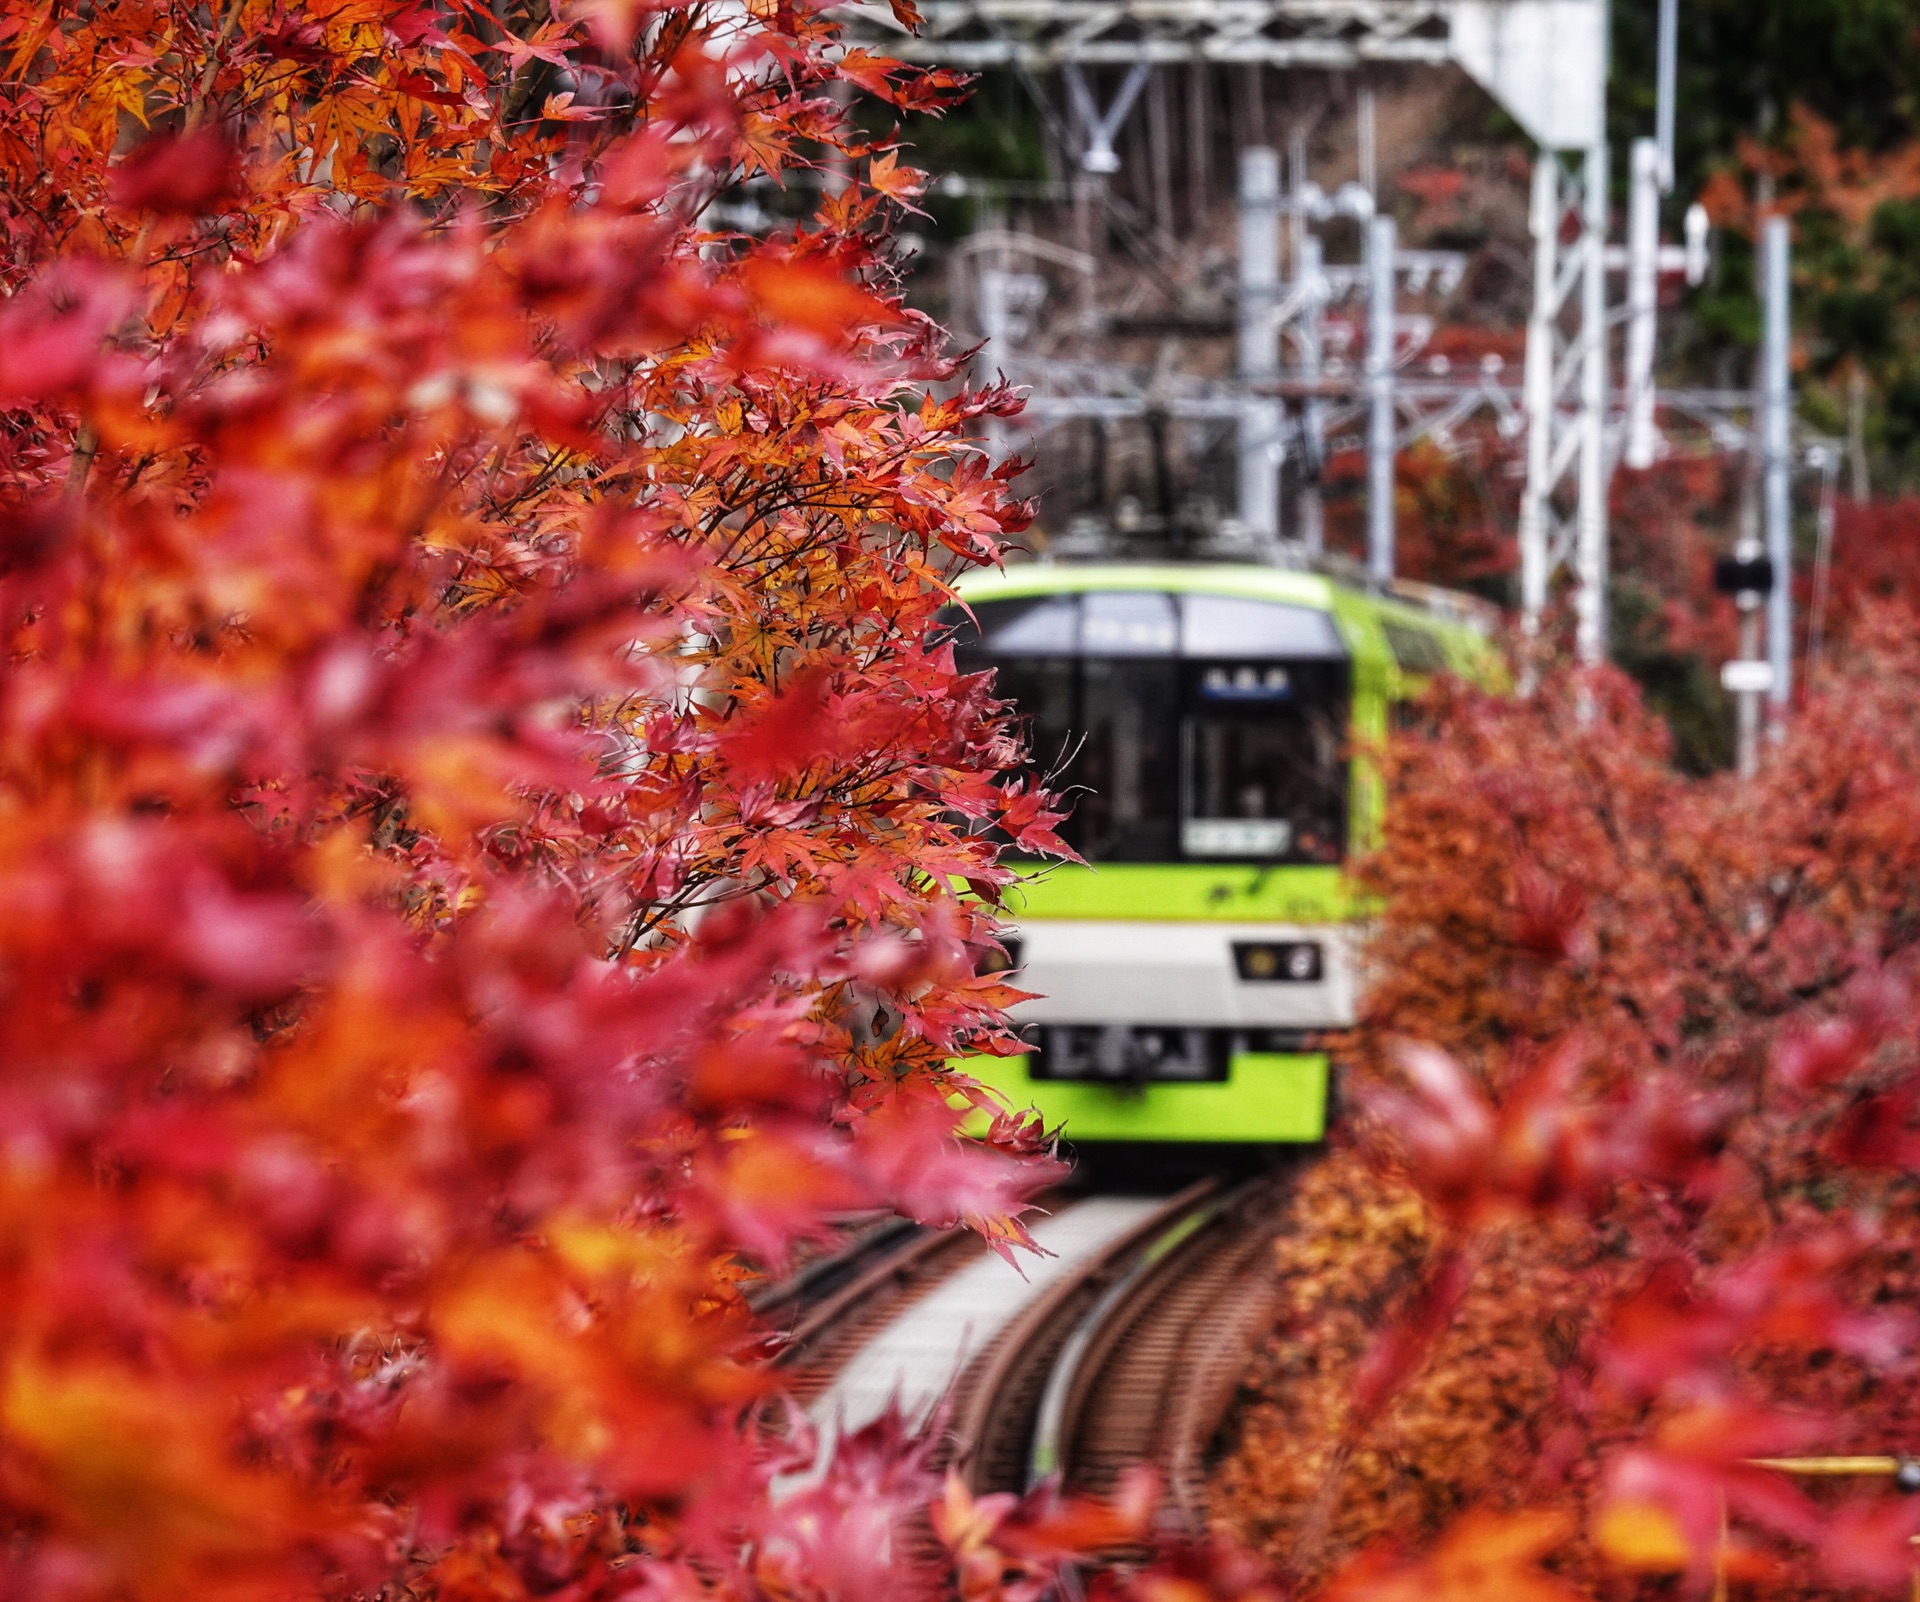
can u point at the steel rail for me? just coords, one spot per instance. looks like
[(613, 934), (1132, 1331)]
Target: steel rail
[(991, 1419), (813, 1281), (879, 1280), (1047, 1454)]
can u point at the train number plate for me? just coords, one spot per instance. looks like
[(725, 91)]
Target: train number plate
[(1129, 1054)]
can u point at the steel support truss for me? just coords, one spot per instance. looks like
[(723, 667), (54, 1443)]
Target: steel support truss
[(1563, 512), (1040, 35)]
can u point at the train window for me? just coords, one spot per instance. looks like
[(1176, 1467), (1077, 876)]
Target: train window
[(1415, 650), (1224, 756), (1104, 731), (1037, 625), (1045, 689), (1225, 626), (1129, 811), (1263, 774), (1128, 623)]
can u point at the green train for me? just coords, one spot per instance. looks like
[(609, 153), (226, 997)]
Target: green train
[(1211, 722)]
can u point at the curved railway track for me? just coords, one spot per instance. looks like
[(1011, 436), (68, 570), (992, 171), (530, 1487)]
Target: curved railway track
[(1124, 1346)]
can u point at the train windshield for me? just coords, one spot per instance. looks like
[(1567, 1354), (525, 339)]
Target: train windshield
[(1187, 728)]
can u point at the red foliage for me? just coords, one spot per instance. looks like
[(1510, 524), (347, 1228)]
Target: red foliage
[(1811, 170), (1453, 511), (178, 175), (480, 802), (482, 825), (1485, 1555), (1876, 558), (1666, 1157)]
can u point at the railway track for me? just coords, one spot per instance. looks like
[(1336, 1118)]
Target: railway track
[(1123, 1346)]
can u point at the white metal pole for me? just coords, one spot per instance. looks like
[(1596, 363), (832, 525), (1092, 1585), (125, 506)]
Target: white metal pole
[(995, 321), (1746, 712), (1261, 417), (1666, 90), (1534, 504), (1296, 182), (1777, 404), (1643, 293), (1314, 413), (1382, 241), (839, 167), (1590, 561), (1827, 463), (1369, 151)]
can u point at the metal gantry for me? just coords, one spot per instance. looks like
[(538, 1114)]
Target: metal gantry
[(1545, 62), (1040, 35)]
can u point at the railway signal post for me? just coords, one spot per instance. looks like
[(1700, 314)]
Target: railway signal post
[(1777, 446)]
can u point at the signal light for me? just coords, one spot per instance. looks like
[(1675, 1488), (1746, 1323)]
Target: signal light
[(1743, 574)]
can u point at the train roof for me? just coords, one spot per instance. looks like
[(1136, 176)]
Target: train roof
[(1251, 582), (1370, 622), (1426, 603)]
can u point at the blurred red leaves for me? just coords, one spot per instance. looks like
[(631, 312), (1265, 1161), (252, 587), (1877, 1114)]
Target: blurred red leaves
[(812, 295), (482, 824), (1550, 918), (1399, 1349), (177, 175), (53, 327), (1544, 1147), (1014, 1549), (1485, 1555)]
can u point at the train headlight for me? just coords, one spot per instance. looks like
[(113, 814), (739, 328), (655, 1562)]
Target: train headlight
[(1002, 959), (1300, 962)]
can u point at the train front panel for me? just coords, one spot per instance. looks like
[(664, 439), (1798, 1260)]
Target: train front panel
[(1212, 726)]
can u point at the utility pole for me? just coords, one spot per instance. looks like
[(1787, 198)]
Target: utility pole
[(1748, 577), (996, 323), (1261, 418), (1776, 440), (1590, 547), (1367, 133), (1747, 692), (1296, 183), (1313, 415), (1643, 297), (1382, 241), (1536, 511), (1566, 394), (1760, 573), (1098, 159), (1666, 89)]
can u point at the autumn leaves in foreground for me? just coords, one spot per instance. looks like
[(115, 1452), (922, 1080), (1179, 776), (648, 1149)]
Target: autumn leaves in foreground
[(494, 856), (479, 800)]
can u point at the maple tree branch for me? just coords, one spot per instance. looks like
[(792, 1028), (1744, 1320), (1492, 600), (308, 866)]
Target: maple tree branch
[(197, 103)]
